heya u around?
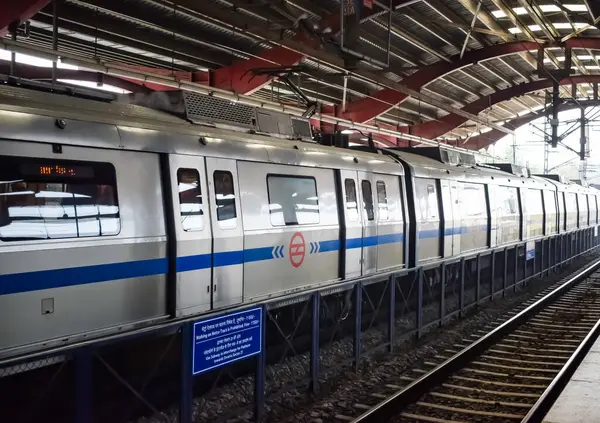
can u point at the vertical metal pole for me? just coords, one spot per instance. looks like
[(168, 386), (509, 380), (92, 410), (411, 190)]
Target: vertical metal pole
[(342, 18), (493, 274), (420, 303), (461, 300), (555, 105), (357, 323), (186, 373), (524, 268), (534, 261), (13, 55), (389, 46), (392, 315), (516, 267), (83, 385), (443, 295), (505, 271), (478, 286), (54, 38), (314, 352), (344, 93), (259, 378)]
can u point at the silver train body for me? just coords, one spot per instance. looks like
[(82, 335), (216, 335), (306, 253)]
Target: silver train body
[(114, 217)]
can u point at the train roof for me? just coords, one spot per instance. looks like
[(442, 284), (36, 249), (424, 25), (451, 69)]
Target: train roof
[(33, 115), (428, 167)]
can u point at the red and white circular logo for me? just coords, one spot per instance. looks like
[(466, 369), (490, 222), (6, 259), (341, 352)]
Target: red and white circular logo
[(297, 250)]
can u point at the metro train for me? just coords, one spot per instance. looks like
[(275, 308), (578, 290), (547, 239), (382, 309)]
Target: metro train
[(117, 216)]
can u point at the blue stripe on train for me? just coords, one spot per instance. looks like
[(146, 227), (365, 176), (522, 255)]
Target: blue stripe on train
[(59, 278)]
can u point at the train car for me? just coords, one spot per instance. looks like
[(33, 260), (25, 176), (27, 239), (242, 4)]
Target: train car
[(116, 216)]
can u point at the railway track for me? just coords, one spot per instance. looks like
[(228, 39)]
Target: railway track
[(511, 373)]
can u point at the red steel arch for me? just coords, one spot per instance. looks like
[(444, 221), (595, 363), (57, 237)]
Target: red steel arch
[(439, 127)]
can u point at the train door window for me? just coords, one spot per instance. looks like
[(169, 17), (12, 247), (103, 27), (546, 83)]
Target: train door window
[(428, 208), (225, 199), (571, 208), (583, 210), (368, 200), (535, 210), (550, 208), (351, 201), (293, 200), (382, 203), (52, 199), (190, 200), (592, 206)]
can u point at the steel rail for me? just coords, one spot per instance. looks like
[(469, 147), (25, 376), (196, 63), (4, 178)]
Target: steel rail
[(549, 396), (391, 407)]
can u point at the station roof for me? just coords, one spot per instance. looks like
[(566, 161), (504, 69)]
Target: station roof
[(460, 71)]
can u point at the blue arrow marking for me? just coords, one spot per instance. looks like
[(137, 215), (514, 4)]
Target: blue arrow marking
[(318, 246), (281, 255)]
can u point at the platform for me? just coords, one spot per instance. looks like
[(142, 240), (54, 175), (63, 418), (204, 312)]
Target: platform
[(578, 403)]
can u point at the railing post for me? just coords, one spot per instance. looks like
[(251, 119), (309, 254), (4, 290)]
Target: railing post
[(259, 377), (443, 295), (493, 275), (420, 303), (314, 351), (505, 272), (524, 266), (478, 286), (392, 315), (186, 373), (534, 261), (357, 323), (83, 385), (516, 267), (461, 300)]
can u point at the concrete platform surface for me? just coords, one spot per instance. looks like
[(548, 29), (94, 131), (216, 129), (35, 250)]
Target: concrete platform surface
[(580, 400)]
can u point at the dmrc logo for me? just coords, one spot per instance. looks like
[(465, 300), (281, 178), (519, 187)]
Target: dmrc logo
[(297, 250)]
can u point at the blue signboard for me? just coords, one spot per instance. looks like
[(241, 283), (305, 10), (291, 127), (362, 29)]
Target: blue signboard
[(529, 250), (225, 339)]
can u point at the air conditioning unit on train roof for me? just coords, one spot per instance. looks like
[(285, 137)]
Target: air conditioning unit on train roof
[(555, 177), (512, 168), (444, 155), (208, 110)]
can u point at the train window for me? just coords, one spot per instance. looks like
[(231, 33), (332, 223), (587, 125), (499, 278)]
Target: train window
[(382, 204), (351, 201), (583, 210), (293, 200), (535, 213), (550, 208), (52, 199), (225, 199), (425, 191), (571, 210), (190, 200), (368, 199)]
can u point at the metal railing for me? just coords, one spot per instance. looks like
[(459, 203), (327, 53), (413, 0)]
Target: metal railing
[(332, 328)]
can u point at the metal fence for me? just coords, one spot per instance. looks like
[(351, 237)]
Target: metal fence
[(305, 339)]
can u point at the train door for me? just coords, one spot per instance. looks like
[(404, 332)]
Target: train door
[(448, 208), (227, 230), (369, 228), (192, 233), (390, 222), (353, 219), (456, 219)]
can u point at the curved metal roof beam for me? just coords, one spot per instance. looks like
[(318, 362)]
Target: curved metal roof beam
[(439, 127), (485, 140), (364, 110)]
